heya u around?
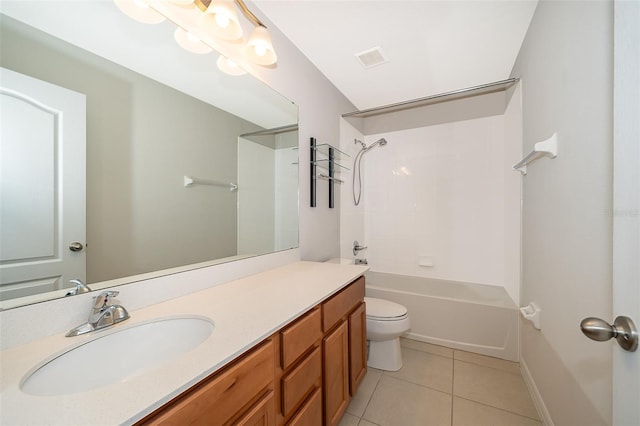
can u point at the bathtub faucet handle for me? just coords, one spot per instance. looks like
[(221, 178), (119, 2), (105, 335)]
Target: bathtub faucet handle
[(357, 247)]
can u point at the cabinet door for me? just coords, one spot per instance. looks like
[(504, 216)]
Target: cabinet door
[(336, 374), (357, 347)]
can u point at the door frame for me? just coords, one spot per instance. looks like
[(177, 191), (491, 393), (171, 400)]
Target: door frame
[(626, 204)]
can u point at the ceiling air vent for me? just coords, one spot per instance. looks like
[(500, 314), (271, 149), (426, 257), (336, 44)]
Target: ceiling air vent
[(372, 57)]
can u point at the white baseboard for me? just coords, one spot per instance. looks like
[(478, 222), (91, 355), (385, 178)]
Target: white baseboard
[(543, 413)]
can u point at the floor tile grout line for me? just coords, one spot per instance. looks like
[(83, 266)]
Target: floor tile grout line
[(456, 355), (370, 398), (498, 408), (515, 373), (427, 352), (488, 405), (453, 358), (453, 381), (418, 384)]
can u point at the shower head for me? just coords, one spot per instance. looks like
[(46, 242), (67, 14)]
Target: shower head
[(381, 142), (357, 178)]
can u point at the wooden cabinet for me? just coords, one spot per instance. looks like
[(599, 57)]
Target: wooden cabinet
[(303, 375), (301, 367), (336, 373), (301, 382), (262, 414), (344, 348), (338, 306), (311, 412), (357, 347), (298, 337), (242, 391)]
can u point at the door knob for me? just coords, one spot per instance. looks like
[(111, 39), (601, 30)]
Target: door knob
[(76, 246), (623, 330)]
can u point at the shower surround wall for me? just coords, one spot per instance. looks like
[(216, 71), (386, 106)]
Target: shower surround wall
[(441, 201), (267, 195)]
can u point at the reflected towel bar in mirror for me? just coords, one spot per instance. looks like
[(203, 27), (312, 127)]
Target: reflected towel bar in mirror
[(190, 181)]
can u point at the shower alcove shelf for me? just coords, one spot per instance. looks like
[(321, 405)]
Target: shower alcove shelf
[(325, 157)]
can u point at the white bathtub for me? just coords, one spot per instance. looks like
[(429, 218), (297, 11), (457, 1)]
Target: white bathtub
[(472, 317)]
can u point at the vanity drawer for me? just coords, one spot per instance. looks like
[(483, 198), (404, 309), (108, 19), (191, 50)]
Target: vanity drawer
[(226, 395), (262, 414), (342, 303), (300, 336), (311, 412), (301, 381)]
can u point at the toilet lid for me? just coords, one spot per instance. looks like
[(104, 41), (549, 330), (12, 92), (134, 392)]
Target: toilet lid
[(383, 309)]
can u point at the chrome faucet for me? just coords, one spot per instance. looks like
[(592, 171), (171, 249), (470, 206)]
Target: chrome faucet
[(103, 314), (80, 288), (357, 247)]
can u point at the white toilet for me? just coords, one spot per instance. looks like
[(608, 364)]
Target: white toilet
[(386, 322)]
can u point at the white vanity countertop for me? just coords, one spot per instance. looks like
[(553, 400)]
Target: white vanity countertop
[(245, 312)]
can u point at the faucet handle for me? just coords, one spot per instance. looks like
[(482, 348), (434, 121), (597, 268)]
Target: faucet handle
[(357, 247), (80, 288), (102, 300)]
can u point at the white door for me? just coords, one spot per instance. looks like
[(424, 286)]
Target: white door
[(42, 186), (626, 205)]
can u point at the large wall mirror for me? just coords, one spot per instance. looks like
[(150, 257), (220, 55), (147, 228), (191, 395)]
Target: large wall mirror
[(182, 166)]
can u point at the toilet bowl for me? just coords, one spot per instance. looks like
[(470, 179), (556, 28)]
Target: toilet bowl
[(386, 322)]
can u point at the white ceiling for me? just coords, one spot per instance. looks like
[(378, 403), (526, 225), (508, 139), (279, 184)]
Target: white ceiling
[(432, 46)]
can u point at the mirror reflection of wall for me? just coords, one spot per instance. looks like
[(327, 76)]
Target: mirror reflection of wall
[(268, 202), (143, 137)]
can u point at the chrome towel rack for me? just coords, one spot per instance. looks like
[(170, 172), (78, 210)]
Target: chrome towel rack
[(190, 181), (547, 148), (326, 177)]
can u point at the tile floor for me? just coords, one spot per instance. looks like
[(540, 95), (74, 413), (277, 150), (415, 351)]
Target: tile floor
[(441, 386)]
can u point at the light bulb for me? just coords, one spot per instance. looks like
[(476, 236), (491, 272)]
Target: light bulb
[(260, 49), (222, 20)]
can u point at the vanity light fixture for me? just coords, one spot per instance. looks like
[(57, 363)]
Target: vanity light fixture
[(259, 47), (203, 25), (221, 19)]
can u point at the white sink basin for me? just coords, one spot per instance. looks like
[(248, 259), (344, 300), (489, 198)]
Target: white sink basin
[(117, 356)]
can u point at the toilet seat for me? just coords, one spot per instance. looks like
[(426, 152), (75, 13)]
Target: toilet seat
[(384, 310)]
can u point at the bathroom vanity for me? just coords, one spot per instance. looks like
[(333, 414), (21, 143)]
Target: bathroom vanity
[(285, 379), (288, 347)]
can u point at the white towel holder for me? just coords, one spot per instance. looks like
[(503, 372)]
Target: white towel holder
[(547, 148), (531, 312), (190, 181)]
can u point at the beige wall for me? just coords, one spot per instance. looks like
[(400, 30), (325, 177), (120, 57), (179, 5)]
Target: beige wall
[(565, 64), (320, 106)]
